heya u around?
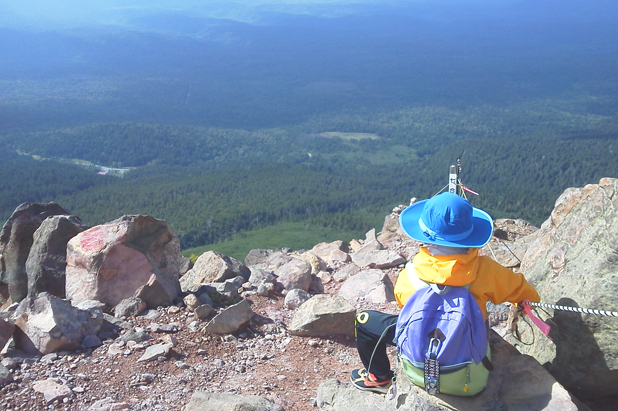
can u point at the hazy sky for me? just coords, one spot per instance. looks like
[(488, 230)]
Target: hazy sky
[(50, 13)]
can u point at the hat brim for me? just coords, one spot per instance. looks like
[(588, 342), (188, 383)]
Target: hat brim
[(482, 223)]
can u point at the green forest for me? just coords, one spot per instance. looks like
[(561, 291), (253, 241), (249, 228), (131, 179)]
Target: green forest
[(214, 184)]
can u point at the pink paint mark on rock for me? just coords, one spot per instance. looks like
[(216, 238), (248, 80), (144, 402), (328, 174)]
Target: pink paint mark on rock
[(92, 240)]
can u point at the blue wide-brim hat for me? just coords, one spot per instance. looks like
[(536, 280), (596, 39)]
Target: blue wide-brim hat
[(447, 219)]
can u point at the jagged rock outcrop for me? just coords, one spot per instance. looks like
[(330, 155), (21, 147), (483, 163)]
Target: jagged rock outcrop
[(16, 241), (573, 261), (112, 261), (518, 382), (510, 241), (212, 267), (46, 263)]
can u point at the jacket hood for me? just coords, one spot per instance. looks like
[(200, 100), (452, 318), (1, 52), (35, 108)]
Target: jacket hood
[(454, 270)]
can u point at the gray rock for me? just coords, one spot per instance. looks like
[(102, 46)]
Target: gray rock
[(518, 382), (111, 262), (16, 240), (260, 276), (295, 298), (316, 286), (185, 265), (345, 272), (90, 304), (137, 336), (323, 315), (6, 332), (265, 289), (191, 302), (231, 319), (129, 307), (497, 313), (257, 258), (333, 252), (373, 255), (204, 298), (573, 261), (370, 235), (155, 351), (109, 404), (212, 267), (317, 264), (325, 277), (230, 286), (392, 233), (46, 263), (5, 375), (368, 285), (51, 324), (91, 341), (510, 241), (151, 314), (153, 293), (11, 362), (111, 327), (163, 328), (209, 401), (204, 312), (52, 389), (294, 274)]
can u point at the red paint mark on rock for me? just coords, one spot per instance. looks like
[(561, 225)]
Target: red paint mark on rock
[(92, 239)]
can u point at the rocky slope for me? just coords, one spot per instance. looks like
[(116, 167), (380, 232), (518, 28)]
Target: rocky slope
[(273, 327)]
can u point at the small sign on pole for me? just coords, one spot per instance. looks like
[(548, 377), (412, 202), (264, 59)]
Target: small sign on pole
[(452, 180)]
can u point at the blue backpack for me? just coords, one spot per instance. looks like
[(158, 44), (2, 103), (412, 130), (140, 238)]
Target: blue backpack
[(442, 341)]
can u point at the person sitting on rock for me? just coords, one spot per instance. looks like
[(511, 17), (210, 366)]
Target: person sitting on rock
[(451, 232)]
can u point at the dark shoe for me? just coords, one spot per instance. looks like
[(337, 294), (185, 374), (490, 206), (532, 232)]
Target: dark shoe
[(365, 381)]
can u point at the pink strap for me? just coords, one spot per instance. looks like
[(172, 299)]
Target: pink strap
[(542, 326)]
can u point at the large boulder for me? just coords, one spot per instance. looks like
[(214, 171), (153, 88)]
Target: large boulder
[(369, 285), (112, 261), (50, 324), (16, 240), (294, 274), (46, 263), (212, 267), (573, 261), (323, 315), (518, 382)]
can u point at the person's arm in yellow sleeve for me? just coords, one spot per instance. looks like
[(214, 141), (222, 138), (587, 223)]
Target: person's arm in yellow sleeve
[(500, 284)]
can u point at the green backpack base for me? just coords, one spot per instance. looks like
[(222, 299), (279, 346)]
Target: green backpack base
[(465, 382)]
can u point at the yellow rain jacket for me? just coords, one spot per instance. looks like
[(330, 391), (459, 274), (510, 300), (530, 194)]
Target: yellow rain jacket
[(489, 281)]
